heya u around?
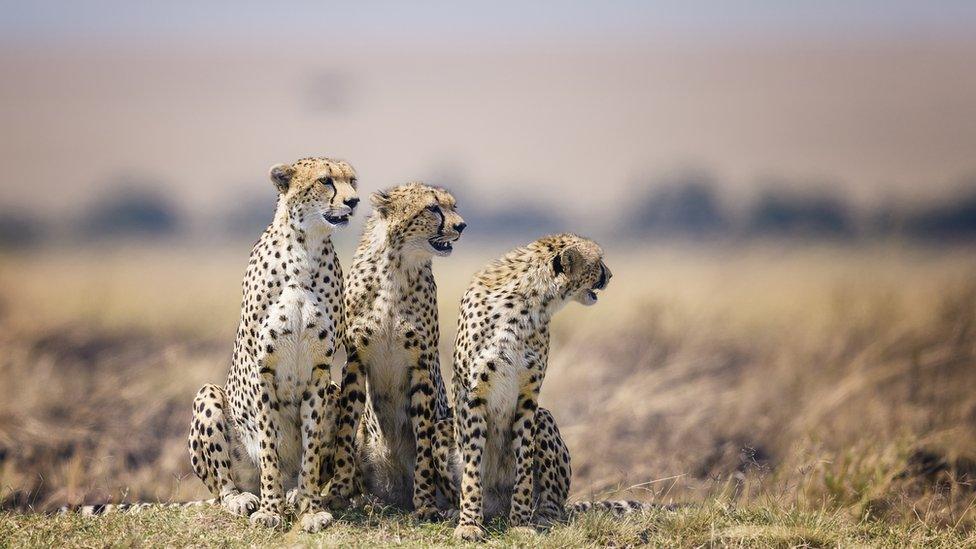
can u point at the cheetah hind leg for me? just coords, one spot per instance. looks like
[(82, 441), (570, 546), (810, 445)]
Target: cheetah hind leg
[(210, 451), (552, 470)]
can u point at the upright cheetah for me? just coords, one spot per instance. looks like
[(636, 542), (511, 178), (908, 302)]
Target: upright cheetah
[(514, 460), (271, 426), (392, 374)]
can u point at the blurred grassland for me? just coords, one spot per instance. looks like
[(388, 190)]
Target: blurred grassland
[(834, 385)]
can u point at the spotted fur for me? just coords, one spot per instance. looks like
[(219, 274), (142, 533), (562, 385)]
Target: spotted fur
[(513, 460), (270, 427), (392, 378)]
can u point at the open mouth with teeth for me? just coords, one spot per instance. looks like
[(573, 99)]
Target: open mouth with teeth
[(443, 246), (336, 220)]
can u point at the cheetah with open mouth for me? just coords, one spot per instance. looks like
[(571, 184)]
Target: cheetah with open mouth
[(269, 429), (392, 375), (510, 458)]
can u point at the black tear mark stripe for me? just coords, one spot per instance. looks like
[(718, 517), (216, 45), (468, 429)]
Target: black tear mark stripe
[(330, 184), (439, 212)]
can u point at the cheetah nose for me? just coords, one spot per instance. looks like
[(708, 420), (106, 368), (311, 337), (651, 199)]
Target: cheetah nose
[(460, 227), (351, 202)]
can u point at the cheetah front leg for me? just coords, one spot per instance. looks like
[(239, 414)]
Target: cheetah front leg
[(422, 419), (209, 445), (472, 428), (352, 400), (443, 450), (523, 448), (268, 426), (318, 411), (327, 469)]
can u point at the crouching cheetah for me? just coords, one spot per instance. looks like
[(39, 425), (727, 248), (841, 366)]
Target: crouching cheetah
[(513, 459), (392, 374), (270, 428)]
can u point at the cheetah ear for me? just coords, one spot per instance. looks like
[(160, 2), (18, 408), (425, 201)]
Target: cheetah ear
[(281, 175), (567, 261), (381, 202)]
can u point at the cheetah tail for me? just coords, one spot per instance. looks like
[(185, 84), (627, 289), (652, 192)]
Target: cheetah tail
[(112, 508), (617, 508)]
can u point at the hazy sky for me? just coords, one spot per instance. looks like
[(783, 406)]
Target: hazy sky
[(566, 19), (574, 105)]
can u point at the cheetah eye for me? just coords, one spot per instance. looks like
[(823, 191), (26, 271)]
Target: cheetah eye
[(326, 181), (433, 208)]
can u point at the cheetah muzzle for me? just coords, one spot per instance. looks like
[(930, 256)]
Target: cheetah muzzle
[(589, 297)]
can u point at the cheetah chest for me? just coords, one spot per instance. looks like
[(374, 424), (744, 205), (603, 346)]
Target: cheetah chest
[(302, 332), (389, 359), (304, 335), (501, 402)]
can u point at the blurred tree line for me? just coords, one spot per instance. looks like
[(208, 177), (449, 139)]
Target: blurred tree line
[(690, 205), (686, 206)]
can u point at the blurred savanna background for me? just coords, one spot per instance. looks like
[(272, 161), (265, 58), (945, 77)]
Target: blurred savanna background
[(786, 193)]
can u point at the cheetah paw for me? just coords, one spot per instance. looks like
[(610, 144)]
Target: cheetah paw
[(336, 502), (314, 522), (546, 520), (293, 498), (427, 514), (469, 532), (266, 519), (242, 504)]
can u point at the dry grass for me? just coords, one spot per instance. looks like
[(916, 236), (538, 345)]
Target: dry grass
[(821, 396), (848, 385), (706, 526)]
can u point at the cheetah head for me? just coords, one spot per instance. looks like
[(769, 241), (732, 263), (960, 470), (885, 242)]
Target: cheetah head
[(318, 193), (420, 219), (579, 269)]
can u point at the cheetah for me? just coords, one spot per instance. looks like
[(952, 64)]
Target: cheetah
[(270, 428), (512, 459), (392, 376), (275, 416)]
